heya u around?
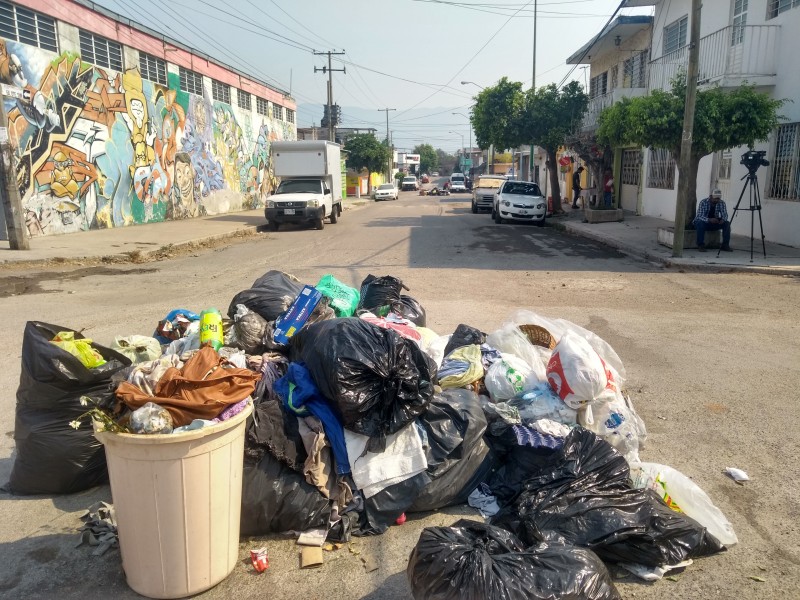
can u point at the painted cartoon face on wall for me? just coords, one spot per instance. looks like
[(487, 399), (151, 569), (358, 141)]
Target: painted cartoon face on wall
[(138, 112)]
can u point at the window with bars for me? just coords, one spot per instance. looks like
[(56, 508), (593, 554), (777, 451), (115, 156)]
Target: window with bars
[(221, 92), (262, 106), (631, 167), (614, 77), (23, 25), (100, 51), (244, 99), (675, 35), (724, 168), (289, 115), (739, 21), (784, 170), (661, 169), (191, 82), (635, 70), (277, 112), (598, 85), (153, 68), (776, 7)]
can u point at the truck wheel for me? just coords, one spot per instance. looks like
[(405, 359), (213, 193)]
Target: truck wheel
[(273, 225), (334, 214), (319, 223)]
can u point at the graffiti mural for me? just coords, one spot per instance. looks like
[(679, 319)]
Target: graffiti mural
[(99, 149)]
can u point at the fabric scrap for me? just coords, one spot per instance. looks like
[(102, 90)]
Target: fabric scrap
[(530, 437), (471, 355), (482, 499)]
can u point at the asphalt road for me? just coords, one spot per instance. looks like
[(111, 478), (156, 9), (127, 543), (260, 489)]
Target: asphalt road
[(712, 360)]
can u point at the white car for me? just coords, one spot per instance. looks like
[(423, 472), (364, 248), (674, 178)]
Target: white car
[(519, 201), (385, 191)]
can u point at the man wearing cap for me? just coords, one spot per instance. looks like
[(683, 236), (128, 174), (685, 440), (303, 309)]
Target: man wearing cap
[(712, 214)]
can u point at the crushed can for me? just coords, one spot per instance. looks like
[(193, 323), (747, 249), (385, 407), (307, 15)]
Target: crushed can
[(259, 559)]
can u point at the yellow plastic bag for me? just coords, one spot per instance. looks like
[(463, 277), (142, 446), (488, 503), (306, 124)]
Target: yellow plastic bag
[(81, 349), (472, 356)]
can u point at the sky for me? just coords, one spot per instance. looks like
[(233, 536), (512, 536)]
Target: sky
[(409, 55)]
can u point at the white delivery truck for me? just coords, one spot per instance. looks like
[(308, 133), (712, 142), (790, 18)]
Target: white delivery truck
[(310, 190)]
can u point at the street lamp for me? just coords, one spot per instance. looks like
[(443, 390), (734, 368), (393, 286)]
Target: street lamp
[(462, 140), (473, 83), (470, 135)]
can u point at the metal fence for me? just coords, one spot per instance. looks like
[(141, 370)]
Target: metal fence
[(783, 182)]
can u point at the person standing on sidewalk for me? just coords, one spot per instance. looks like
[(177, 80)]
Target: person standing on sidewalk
[(712, 215), (576, 186), (608, 189)]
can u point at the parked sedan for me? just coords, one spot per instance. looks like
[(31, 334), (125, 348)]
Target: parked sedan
[(484, 192), (519, 201), (385, 191)]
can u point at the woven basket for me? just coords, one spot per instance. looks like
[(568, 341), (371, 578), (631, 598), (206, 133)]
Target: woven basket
[(538, 336)]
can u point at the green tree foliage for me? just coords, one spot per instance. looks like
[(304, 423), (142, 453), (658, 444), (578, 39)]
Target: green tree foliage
[(364, 151), (428, 159), (723, 119), (495, 116), (445, 160)]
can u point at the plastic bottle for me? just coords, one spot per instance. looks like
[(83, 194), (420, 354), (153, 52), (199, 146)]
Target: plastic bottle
[(211, 328)]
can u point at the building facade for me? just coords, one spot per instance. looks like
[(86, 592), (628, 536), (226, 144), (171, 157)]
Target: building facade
[(113, 124)]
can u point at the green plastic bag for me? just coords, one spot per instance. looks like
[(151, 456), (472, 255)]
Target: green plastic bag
[(81, 349), (343, 299)]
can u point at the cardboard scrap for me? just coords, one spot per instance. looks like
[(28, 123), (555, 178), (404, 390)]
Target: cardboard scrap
[(310, 556)]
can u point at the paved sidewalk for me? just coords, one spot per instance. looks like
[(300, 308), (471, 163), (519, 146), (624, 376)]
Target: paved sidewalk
[(635, 236), (638, 236)]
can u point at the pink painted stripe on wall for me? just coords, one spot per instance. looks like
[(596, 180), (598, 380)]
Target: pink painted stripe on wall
[(85, 18)]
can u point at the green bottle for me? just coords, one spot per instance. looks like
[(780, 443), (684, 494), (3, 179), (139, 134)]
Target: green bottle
[(211, 328)]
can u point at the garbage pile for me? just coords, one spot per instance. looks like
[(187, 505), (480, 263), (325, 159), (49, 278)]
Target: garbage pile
[(363, 414)]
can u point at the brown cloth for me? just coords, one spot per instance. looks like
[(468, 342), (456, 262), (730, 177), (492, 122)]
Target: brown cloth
[(201, 389)]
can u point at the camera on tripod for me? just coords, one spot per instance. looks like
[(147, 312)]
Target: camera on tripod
[(753, 159)]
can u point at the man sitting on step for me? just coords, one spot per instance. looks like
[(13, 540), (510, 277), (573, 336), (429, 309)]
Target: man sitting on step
[(712, 215)]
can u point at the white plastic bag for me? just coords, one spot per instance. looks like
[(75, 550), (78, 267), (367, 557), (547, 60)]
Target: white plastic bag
[(139, 348), (617, 422), (510, 340), (508, 377), (436, 349), (577, 373), (541, 402), (684, 495)]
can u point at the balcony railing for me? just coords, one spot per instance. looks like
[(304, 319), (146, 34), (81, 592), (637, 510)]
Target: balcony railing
[(599, 103), (727, 57)]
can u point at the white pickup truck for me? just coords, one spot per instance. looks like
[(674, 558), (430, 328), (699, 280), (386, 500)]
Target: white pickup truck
[(311, 183)]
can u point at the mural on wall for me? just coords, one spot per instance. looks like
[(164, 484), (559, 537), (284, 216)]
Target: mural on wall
[(100, 149)]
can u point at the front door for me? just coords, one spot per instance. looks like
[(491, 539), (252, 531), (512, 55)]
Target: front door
[(630, 178)]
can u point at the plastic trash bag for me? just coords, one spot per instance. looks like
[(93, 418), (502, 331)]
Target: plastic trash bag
[(436, 348), (508, 377), (269, 296), (382, 510), (458, 457), (343, 298), (541, 402), (464, 335), (276, 499), (53, 458), (250, 328), (617, 422), (378, 295), (80, 348), (411, 309), (151, 418), (683, 495), (475, 561), (462, 366), (138, 348), (510, 340), (578, 374), (583, 496), (376, 380)]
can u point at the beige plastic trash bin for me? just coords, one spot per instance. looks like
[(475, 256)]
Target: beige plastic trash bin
[(178, 500)]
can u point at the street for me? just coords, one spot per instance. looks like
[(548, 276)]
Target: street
[(712, 359)]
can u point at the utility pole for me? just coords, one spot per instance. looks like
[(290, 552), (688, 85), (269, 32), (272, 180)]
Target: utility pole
[(531, 170), (388, 144), (329, 70), (688, 132), (12, 204)]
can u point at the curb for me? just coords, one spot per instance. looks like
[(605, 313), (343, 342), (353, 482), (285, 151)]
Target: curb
[(675, 263)]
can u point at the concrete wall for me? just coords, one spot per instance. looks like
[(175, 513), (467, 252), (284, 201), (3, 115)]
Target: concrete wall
[(96, 148)]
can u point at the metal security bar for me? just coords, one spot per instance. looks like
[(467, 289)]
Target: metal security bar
[(153, 68), (100, 51), (631, 167), (661, 169), (26, 26), (784, 170)]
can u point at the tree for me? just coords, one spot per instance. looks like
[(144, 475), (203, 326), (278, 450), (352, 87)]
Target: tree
[(722, 120), (495, 116), (364, 151), (428, 159), (597, 156), (445, 160), (548, 117)]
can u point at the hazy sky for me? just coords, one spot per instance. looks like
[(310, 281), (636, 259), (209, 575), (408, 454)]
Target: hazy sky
[(418, 46)]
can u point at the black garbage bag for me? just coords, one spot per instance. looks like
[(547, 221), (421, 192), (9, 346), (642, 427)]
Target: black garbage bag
[(269, 296), (584, 497), (382, 510), (52, 457), (475, 561), (376, 380), (464, 335), (276, 499), (272, 429), (458, 457), (411, 309), (517, 466), (380, 294)]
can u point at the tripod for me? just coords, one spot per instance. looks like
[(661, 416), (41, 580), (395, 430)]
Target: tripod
[(755, 205)]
